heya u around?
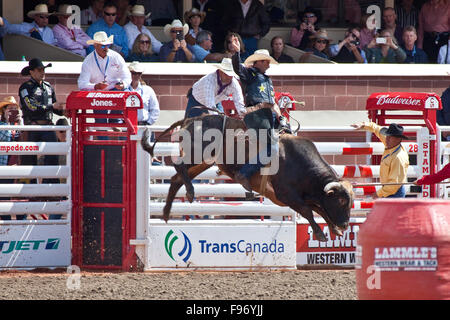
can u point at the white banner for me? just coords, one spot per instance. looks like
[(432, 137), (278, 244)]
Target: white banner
[(222, 245), (34, 245)]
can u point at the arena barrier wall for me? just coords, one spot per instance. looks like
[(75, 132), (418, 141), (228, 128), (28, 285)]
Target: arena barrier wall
[(43, 238)]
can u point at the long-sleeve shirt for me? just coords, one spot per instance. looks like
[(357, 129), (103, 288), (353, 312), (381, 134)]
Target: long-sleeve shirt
[(444, 55), (111, 69), (24, 28), (433, 19), (132, 32), (394, 163), (73, 39), (439, 176), (120, 36), (208, 92), (150, 112)]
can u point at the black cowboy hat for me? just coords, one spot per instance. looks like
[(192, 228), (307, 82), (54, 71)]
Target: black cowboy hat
[(33, 64), (394, 130)]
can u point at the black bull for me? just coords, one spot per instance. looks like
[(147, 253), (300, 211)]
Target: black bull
[(305, 182)]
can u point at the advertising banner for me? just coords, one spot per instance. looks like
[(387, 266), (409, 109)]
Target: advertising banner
[(35, 245), (337, 251), (223, 245)]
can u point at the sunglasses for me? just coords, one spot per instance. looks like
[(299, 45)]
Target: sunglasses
[(136, 73), (145, 41), (322, 41), (354, 35), (175, 31), (310, 15), (105, 46), (110, 14), (43, 17)]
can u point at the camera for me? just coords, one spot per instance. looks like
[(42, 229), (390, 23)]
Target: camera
[(180, 35), (380, 40), (355, 42)]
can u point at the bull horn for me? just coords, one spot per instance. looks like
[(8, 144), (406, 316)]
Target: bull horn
[(328, 189)]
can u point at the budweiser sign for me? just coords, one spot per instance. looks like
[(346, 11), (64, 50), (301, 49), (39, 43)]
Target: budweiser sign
[(387, 99)]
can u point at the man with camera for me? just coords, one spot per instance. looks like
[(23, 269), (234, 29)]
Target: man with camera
[(348, 51), (177, 49)]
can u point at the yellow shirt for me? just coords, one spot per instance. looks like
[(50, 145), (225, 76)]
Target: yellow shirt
[(394, 163)]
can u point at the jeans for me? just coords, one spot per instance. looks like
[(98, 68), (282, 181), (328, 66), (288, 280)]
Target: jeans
[(401, 193)]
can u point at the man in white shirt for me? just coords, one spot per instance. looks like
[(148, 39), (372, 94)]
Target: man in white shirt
[(150, 113), (103, 69), (136, 26), (213, 88)]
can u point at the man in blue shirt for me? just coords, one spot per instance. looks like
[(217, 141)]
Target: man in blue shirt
[(38, 29), (202, 49), (413, 54), (108, 24)]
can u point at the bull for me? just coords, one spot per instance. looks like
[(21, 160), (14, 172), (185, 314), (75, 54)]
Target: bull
[(304, 182)]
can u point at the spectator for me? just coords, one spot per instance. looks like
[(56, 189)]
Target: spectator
[(352, 11), (433, 27), (38, 103), (213, 88), (142, 50), (123, 7), (413, 54), (69, 36), (443, 56), (386, 52), (93, 13), (163, 11), (9, 114), (443, 115), (319, 46), (368, 30), (229, 48), (277, 45), (103, 69), (348, 51), (108, 25), (407, 14), (307, 27), (202, 49), (2, 33), (194, 18), (176, 50), (136, 26), (38, 29), (390, 24), (213, 10), (394, 162), (150, 112), (249, 19)]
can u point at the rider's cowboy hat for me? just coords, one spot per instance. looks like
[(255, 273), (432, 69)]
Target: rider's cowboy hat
[(226, 66), (138, 11), (102, 38), (394, 130), (194, 12), (33, 64), (7, 101), (321, 34), (176, 24), (64, 10), (135, 66), (40, 9), (261, 54)]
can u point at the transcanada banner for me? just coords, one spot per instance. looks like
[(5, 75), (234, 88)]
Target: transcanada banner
[(199, 245)]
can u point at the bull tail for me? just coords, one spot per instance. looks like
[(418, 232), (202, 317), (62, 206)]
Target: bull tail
[(145, 137)]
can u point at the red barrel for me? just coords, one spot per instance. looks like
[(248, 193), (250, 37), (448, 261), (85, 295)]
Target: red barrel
[(403, 250)]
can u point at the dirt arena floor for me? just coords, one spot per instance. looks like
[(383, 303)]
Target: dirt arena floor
[(267, 285)]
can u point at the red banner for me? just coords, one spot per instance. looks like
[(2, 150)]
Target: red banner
[(403, 101)]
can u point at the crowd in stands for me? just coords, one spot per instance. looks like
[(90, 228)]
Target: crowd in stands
[(406, 34)]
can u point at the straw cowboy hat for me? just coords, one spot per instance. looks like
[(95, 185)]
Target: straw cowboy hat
[(7, 101), (226, 66), (40, 9), (33, 64), (135, 66), (261, 54), (102, 38), (138, 11), (194, 12), (176, 24), (321, 34), (64, 10)]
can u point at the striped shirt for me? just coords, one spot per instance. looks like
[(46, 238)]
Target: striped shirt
[(405, 18)]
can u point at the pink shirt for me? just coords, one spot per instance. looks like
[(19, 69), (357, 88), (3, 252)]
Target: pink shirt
[(433, 19), (71, 39)]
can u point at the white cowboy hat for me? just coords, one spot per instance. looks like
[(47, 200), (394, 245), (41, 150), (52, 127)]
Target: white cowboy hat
[(102, 38), (64, 10), (226, 66), (40, 9), (194, 12), (261, 54), (138, 11), (176, 24), (135, 66)]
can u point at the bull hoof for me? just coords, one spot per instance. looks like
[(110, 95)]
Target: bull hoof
[(166, 213), (321, 236), (190, 195)]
